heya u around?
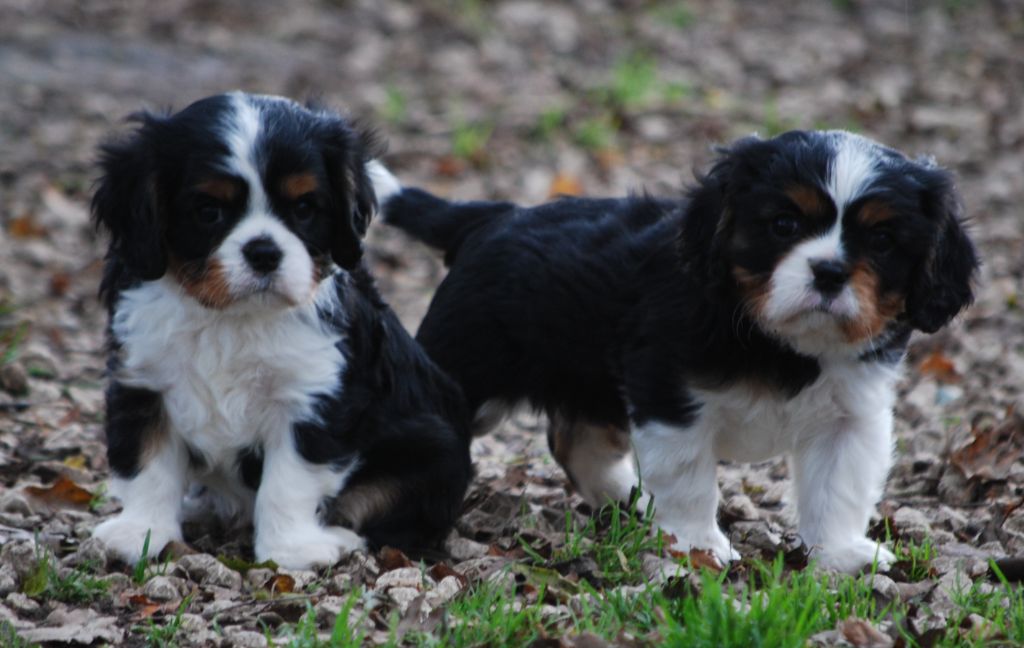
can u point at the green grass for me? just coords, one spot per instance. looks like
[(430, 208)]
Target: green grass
[(79, 585), (549, 123), (9, 637), (304, 634), (1003, 608), (917, 558), (396, 106), (469, 141), (164, 636), (596, 133), (678, 14)]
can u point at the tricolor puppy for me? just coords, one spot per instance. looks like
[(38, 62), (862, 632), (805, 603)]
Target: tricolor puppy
[(251, 357), (766, 313)]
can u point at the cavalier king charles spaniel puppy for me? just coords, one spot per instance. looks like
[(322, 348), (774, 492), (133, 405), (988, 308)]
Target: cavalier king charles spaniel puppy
[(252, 362), (768, 312)]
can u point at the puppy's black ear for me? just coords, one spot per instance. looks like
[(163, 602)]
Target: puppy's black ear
[(707, 225), (348, 150), (941, 287), (126, 203)]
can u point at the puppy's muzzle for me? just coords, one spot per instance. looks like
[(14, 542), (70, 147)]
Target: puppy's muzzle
[(262, 255)]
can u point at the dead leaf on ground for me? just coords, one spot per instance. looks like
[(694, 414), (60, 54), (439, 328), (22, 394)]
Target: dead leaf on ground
[(63, 492), (391, 558), (442, 570), (698, 558), (940, 367), (25, 226), (565, 184), (280, 584), (992, 449)]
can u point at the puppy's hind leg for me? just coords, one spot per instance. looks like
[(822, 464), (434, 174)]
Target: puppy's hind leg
[(597, 458)]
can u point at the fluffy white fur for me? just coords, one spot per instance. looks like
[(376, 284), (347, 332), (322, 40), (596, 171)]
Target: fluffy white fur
[(230, 379)]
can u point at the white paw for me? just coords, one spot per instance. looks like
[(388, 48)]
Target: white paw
[(706, 538), (125, 535), (854, 556), (308, 546)]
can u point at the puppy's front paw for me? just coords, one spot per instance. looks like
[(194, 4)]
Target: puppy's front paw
[(305, 547), (125, 535), (708, 539), (854, 556)]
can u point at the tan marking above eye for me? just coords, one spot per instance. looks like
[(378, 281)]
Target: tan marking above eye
[(298, 185), (874, 212), (223, 189), (808, 199)]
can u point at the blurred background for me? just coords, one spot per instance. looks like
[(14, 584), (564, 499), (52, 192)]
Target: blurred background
[(522, 100)]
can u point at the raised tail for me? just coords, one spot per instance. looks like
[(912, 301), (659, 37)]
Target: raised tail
[(437, 222)]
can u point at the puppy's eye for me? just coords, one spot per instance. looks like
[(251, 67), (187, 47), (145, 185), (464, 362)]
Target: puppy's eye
[(785, 227), (881, 242), (305, 208), (209, 215)]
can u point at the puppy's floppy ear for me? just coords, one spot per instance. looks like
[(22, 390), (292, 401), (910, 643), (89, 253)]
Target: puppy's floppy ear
[(707, 224), (348, 150), (126, 202), (941, 287)]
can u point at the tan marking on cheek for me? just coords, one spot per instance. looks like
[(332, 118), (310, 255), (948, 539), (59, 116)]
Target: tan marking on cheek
[(873, 213), (807, 199), (754, 289), (876, 310), (299, 184), (220, 188), (207, 284)]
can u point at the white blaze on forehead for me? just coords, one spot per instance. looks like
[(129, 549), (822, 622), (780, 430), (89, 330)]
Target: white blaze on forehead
[(852, 168), (241, 128)]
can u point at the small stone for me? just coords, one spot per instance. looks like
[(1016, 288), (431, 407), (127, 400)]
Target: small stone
[(207, 570), (757, 535), (8, 580), (328, 609), (658, 570), (912, 523), (13, 379), (444, 592), (461, 548), (302, 577), (16, 502), (241, 638), (409, 577), (885, 587), (21, 603), (92, 552), (117, 582), (21, 556), (403, 596), (165, 588), (741, 507), (259, 577)]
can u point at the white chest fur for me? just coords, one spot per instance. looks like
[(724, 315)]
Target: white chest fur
[(229, 379), (754, 424)]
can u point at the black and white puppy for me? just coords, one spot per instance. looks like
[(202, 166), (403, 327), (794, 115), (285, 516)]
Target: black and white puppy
[(766, 313), (250, 353)]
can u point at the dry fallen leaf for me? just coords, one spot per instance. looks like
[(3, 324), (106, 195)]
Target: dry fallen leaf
[(565, 184), (939, 366), (25, 226), (992, 449), (391, 558), (281, 584), (63, 492), (698, 558)]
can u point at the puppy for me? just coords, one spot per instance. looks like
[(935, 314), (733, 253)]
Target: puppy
[(766, 313), (249, 351)]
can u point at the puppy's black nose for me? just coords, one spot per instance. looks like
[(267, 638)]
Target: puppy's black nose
[(262, 254), (829, 276)]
